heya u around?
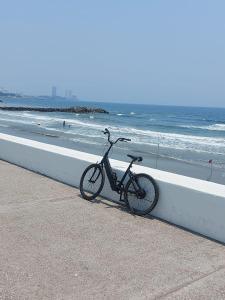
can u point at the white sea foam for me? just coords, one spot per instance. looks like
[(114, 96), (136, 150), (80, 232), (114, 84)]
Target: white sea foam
[(173, 136), (84, 141), (23, 115), (214, 127), (91, 129), (37, 117), (171, 140), (219, 127), (82, 123), (21, 121), (9, 113), (153, 137)]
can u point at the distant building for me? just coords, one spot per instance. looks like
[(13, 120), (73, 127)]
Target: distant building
[(68, 94), (53, 91)]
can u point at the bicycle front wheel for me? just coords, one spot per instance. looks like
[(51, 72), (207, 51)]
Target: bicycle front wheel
[(92, 182), (141, 194)]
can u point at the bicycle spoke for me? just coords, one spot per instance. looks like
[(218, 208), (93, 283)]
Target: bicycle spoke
[(138, 203), (92, 182)]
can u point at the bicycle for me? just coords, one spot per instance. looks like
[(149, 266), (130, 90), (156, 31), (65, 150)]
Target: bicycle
[(140, 193)]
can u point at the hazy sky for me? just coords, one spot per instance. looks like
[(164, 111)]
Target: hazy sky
[(149, 51)]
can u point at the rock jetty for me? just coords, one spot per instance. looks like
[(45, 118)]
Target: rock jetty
[(75, 109)]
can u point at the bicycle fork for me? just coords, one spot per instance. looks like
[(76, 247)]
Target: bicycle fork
[(91, 180)]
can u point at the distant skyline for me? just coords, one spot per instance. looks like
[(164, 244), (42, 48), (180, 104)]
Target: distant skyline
[(153, 52)]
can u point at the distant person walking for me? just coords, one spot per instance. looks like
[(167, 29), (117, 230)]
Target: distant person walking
[(64, 123)]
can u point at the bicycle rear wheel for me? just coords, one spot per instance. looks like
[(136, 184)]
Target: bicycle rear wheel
[(144, 201), (92, 182)]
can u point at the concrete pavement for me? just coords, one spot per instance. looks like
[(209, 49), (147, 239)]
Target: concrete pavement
[(55, 245)]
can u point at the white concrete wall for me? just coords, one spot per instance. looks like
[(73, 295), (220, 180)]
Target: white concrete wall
[(192, 203)]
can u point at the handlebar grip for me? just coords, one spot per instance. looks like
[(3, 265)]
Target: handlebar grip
[(106, 131), (124, 140)]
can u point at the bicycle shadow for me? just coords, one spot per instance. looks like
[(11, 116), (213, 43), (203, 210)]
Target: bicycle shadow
[(110, 204)]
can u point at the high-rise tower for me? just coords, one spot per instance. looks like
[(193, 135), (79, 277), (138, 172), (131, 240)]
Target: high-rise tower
[(53, 91)]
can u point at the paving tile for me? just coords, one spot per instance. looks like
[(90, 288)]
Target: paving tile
[(55, 245)]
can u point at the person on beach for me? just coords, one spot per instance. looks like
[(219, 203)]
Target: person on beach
[(64, 123)]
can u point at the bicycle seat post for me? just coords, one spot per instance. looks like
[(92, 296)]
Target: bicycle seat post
[(130, 165)]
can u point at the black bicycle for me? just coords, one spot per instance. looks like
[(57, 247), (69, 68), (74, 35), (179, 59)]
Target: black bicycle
[(140, 193)]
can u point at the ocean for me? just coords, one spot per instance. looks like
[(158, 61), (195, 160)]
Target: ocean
[(161, 134)]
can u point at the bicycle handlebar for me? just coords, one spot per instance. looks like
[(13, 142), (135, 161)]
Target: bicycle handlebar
[(124, 140), (106, 131)]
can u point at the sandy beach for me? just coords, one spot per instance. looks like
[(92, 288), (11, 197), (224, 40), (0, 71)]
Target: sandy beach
[(149, 159)]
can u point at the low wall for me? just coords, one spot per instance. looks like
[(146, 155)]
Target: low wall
[(191, 203)]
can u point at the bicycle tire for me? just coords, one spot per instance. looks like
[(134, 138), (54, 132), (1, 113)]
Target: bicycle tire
[(152, 186), (88, 195)]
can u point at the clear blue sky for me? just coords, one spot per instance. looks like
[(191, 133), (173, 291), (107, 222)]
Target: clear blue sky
[(161, 51)]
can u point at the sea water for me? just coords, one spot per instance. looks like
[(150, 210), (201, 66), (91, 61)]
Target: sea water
[(194, 135)]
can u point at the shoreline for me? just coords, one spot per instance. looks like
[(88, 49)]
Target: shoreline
[(149, 160)]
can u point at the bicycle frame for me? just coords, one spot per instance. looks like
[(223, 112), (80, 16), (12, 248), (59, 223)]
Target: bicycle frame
[(131, 187), (118, 187)]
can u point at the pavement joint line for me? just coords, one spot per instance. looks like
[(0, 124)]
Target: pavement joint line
[(189, 283), (39, 200), (61, 199)]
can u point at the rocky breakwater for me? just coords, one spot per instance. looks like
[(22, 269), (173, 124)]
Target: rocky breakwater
[(75, 109)]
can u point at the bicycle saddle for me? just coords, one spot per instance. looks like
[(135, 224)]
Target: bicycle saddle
[(135, 158)]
